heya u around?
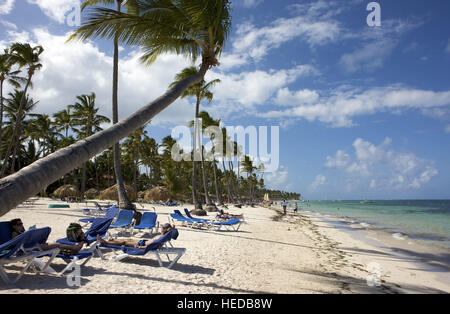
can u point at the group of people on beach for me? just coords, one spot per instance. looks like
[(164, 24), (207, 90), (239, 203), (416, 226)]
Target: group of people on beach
[(17, 228)]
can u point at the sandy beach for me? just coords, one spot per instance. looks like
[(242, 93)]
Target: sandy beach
[(270, 253)]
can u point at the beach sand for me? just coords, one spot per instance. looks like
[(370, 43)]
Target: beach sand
[(269, 254)]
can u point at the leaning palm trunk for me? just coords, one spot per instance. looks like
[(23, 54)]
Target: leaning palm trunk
[(16, 188)]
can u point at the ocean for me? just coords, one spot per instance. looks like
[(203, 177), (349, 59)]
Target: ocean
[(427, 220)]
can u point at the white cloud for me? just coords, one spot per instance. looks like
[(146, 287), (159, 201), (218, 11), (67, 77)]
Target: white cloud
[(6, 6), (380, 167), (318, 181), (251, 3), (71, 69), (277, 179), (56, 9), (8, 24), (287, 98), (343, 104), (255, 87)]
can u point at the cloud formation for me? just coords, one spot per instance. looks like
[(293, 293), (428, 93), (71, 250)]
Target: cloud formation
[(380, 167)]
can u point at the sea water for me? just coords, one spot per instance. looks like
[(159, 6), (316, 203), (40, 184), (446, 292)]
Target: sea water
[(427, 220)]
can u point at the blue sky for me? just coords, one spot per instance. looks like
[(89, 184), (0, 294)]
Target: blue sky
[(364, 113)]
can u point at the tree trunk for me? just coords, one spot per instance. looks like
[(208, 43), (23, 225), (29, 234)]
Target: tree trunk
[(230, 198), (83, 182), (1, 116), (124, 201), (218, 198), (29, 181)]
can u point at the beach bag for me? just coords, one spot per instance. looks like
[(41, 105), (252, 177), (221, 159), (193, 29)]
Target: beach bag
[(75, 233)]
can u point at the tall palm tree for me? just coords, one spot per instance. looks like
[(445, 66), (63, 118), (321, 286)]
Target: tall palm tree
[(133, 148), (24, 56), (9, 76), (248, 167), (124, 201), (200, 91), (42, 130), (194, 28), (63, 121), (87, 118), (207, 122), (16, 112)]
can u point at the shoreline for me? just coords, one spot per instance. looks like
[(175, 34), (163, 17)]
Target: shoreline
[(295, 254)]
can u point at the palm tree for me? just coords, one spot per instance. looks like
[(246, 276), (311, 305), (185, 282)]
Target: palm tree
[(87, 118), (133, 148), (207, 122), (9, 76), (16, 111), (124, 201), (42, 130), (63, 121), (22, 55), (201, 91), (192, 28), (249, 168)]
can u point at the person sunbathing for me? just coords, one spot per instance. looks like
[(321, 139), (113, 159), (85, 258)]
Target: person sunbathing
[(225, 215), (17, 228), (139, 244)]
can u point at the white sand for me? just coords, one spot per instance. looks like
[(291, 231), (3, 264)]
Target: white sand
[(297, 254)]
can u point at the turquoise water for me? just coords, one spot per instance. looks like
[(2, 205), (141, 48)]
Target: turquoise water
[(424, 219)]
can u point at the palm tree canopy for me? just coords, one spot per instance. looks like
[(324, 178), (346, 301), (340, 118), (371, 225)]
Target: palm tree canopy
[(6, 73), (191, 27), (200, 90), (25, 55), (85, 115)]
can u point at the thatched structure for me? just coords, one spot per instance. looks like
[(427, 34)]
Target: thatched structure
[(67, 191), (92, 194), (112, 194), (159, 193)]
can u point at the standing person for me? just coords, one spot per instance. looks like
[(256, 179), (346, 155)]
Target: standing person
[(295, 207), (284, 206)]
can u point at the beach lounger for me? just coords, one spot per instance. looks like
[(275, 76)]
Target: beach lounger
[(157, 247), (25, 247), (99, 227), (233, 223), (111, 213), (148, 221), (124, 220), (188, 222)]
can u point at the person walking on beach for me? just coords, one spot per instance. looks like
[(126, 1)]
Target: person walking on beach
[(295, 207), (284, 206)]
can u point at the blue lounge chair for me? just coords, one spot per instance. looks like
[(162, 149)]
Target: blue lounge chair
[(233, 223), (111, 213), (188, 222), (157, 247), (99, 227), (188, 214), (25, 247), (148, 221), (124, 220)]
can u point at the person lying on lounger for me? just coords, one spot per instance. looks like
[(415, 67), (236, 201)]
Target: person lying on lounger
[(139, 244), (16, 227), (224, 215)]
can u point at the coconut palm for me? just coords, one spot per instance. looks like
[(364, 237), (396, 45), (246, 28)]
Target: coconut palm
[(42, 130), (208, 121), (11, 77), (24, 56), (192, 28), (88, 120), (124, 201), (16, 111), (200, 91), (63, 121)]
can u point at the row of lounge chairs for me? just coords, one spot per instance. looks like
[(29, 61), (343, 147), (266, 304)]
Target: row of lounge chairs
[(27, 246), (189, 221)]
